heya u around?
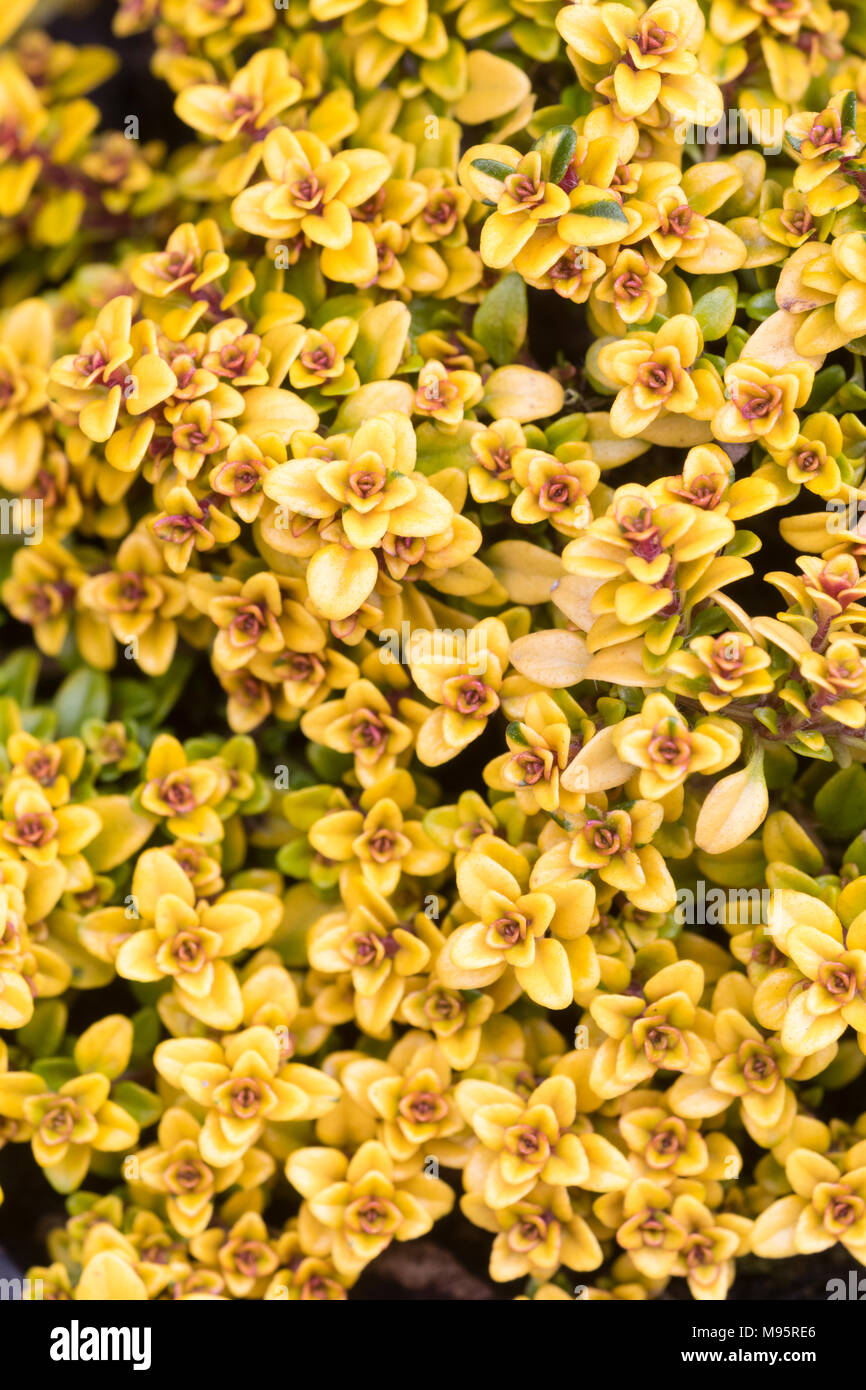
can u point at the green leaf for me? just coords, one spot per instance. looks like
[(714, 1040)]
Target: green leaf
[(670, 928), (202, 746), (609, 210), (18, 676), (557, 147), (715, 361), (769, 717), (40, 721), (306, 281), (821, 751), (144, 1106), (341, 306), (849, 111), (737, 339), (260, 800), (147, 994), (326, 763), (610, 709), (439, 450), (780, 765), (541, 44), (568, 429), (304, 807), (10, 718), (702, 284), (547, 118), (854, 854), (427, 314), (708, 621), (490, 513), (43, 1035), (494, 168), (845, 1067), (83, 695), (293, 859), (744, 543), (715, 312), (840, 805), (654, 662), (55, 1071), (146, 1033), (850, 397), (169, 688), (501, 319), (578, 99), (132, 698), (79, 1202), (827, 383), (760, 306)]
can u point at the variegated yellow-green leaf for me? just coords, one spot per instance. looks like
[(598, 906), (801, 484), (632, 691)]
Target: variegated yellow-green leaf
[(556, 148)]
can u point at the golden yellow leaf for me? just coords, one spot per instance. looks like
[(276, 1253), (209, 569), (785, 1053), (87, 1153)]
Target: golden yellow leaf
[(734, 808)]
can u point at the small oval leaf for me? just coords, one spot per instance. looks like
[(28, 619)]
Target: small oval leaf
[(734, 808)]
